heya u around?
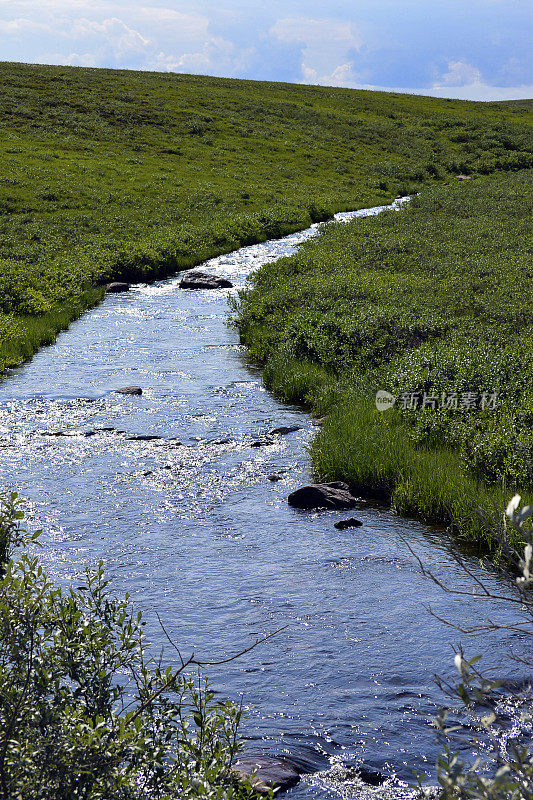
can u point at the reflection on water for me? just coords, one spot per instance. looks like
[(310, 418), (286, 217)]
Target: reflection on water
[(189, 524)]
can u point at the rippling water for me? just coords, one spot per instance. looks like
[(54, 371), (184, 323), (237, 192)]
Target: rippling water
[(189, 524)]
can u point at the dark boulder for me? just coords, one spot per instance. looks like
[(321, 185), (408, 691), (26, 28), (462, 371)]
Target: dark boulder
[(322, 495), (266, 773), (284, 429), (201, 280), (344, 524), (117, 286), (274, 477), (142, 437), (129, 390)]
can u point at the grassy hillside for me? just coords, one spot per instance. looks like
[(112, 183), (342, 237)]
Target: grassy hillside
[(433, 304), (108, 174)]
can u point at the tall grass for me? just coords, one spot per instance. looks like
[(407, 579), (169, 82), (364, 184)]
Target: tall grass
[(429, 300)]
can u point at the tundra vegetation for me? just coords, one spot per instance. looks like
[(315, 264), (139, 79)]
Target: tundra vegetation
[(110, 175), (133, 175), (435, 301)]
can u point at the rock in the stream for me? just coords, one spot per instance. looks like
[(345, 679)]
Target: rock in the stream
[(142, 437), (344, 524), (201, 280), (266, 773), (129, 390), (117, 286), (318, 422), (263, 442), (274, 477), (284, 429), (322, 495)]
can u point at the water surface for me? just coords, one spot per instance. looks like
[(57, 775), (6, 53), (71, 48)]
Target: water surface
[(192, 528)]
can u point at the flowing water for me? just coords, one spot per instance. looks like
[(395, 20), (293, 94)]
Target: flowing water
[(192, 528)]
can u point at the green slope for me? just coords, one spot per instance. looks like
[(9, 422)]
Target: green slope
[(107, 174), (432, 304)]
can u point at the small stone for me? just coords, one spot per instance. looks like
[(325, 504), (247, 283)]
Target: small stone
[(266, 774), (264, 442), (322, 495), (344, 524), (464, 177), (117, 286), (284, 429), (319, 421), (202, 280), (129, 390), (274, 477)]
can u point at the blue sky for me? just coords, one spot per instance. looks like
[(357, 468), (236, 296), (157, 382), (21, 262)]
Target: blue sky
[(473, 49)]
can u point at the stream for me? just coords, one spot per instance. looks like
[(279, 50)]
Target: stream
[(189, 525)]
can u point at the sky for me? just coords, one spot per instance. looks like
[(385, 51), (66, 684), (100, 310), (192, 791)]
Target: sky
[(469, 49)]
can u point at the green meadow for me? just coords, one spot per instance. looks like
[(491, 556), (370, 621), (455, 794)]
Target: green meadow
[(432, 303), (116, 174)]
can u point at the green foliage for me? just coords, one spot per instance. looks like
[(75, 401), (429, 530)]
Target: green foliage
[(432, 299), (85, 713), (489, 721), (114, 174)]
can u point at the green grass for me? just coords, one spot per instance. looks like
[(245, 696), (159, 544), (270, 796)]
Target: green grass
[(435, 298), (113, 174)]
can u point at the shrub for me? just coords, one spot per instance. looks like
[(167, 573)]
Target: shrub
[(85, 712)]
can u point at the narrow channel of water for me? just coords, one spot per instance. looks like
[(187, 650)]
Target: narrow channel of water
[(192, 528)]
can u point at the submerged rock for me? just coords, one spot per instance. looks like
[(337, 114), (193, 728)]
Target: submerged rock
[(129, 390), (284, 429), (344, 524), (263, 442), (322, 495), (142, 437), (202, 280), (117, 286), (266, 773)]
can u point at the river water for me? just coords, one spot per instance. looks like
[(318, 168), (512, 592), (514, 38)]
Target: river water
[(192, 528)]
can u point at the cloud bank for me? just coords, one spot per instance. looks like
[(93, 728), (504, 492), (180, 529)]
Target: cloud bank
[(477, 50)]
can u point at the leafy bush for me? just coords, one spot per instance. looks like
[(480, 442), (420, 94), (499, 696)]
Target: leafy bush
[(489, 754), (85, 712)]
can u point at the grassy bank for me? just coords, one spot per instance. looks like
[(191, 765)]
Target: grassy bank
[(113, 174), (433, 304)]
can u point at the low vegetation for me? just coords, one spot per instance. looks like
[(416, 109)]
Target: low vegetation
[(85, 712), (133, 175), (432, 304)]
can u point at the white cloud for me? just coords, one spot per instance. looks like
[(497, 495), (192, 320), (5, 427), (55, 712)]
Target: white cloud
[(364, 45), (316, 31), (114, 32), (323, 42), (464, 81), (15, 27), (460, 73)]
